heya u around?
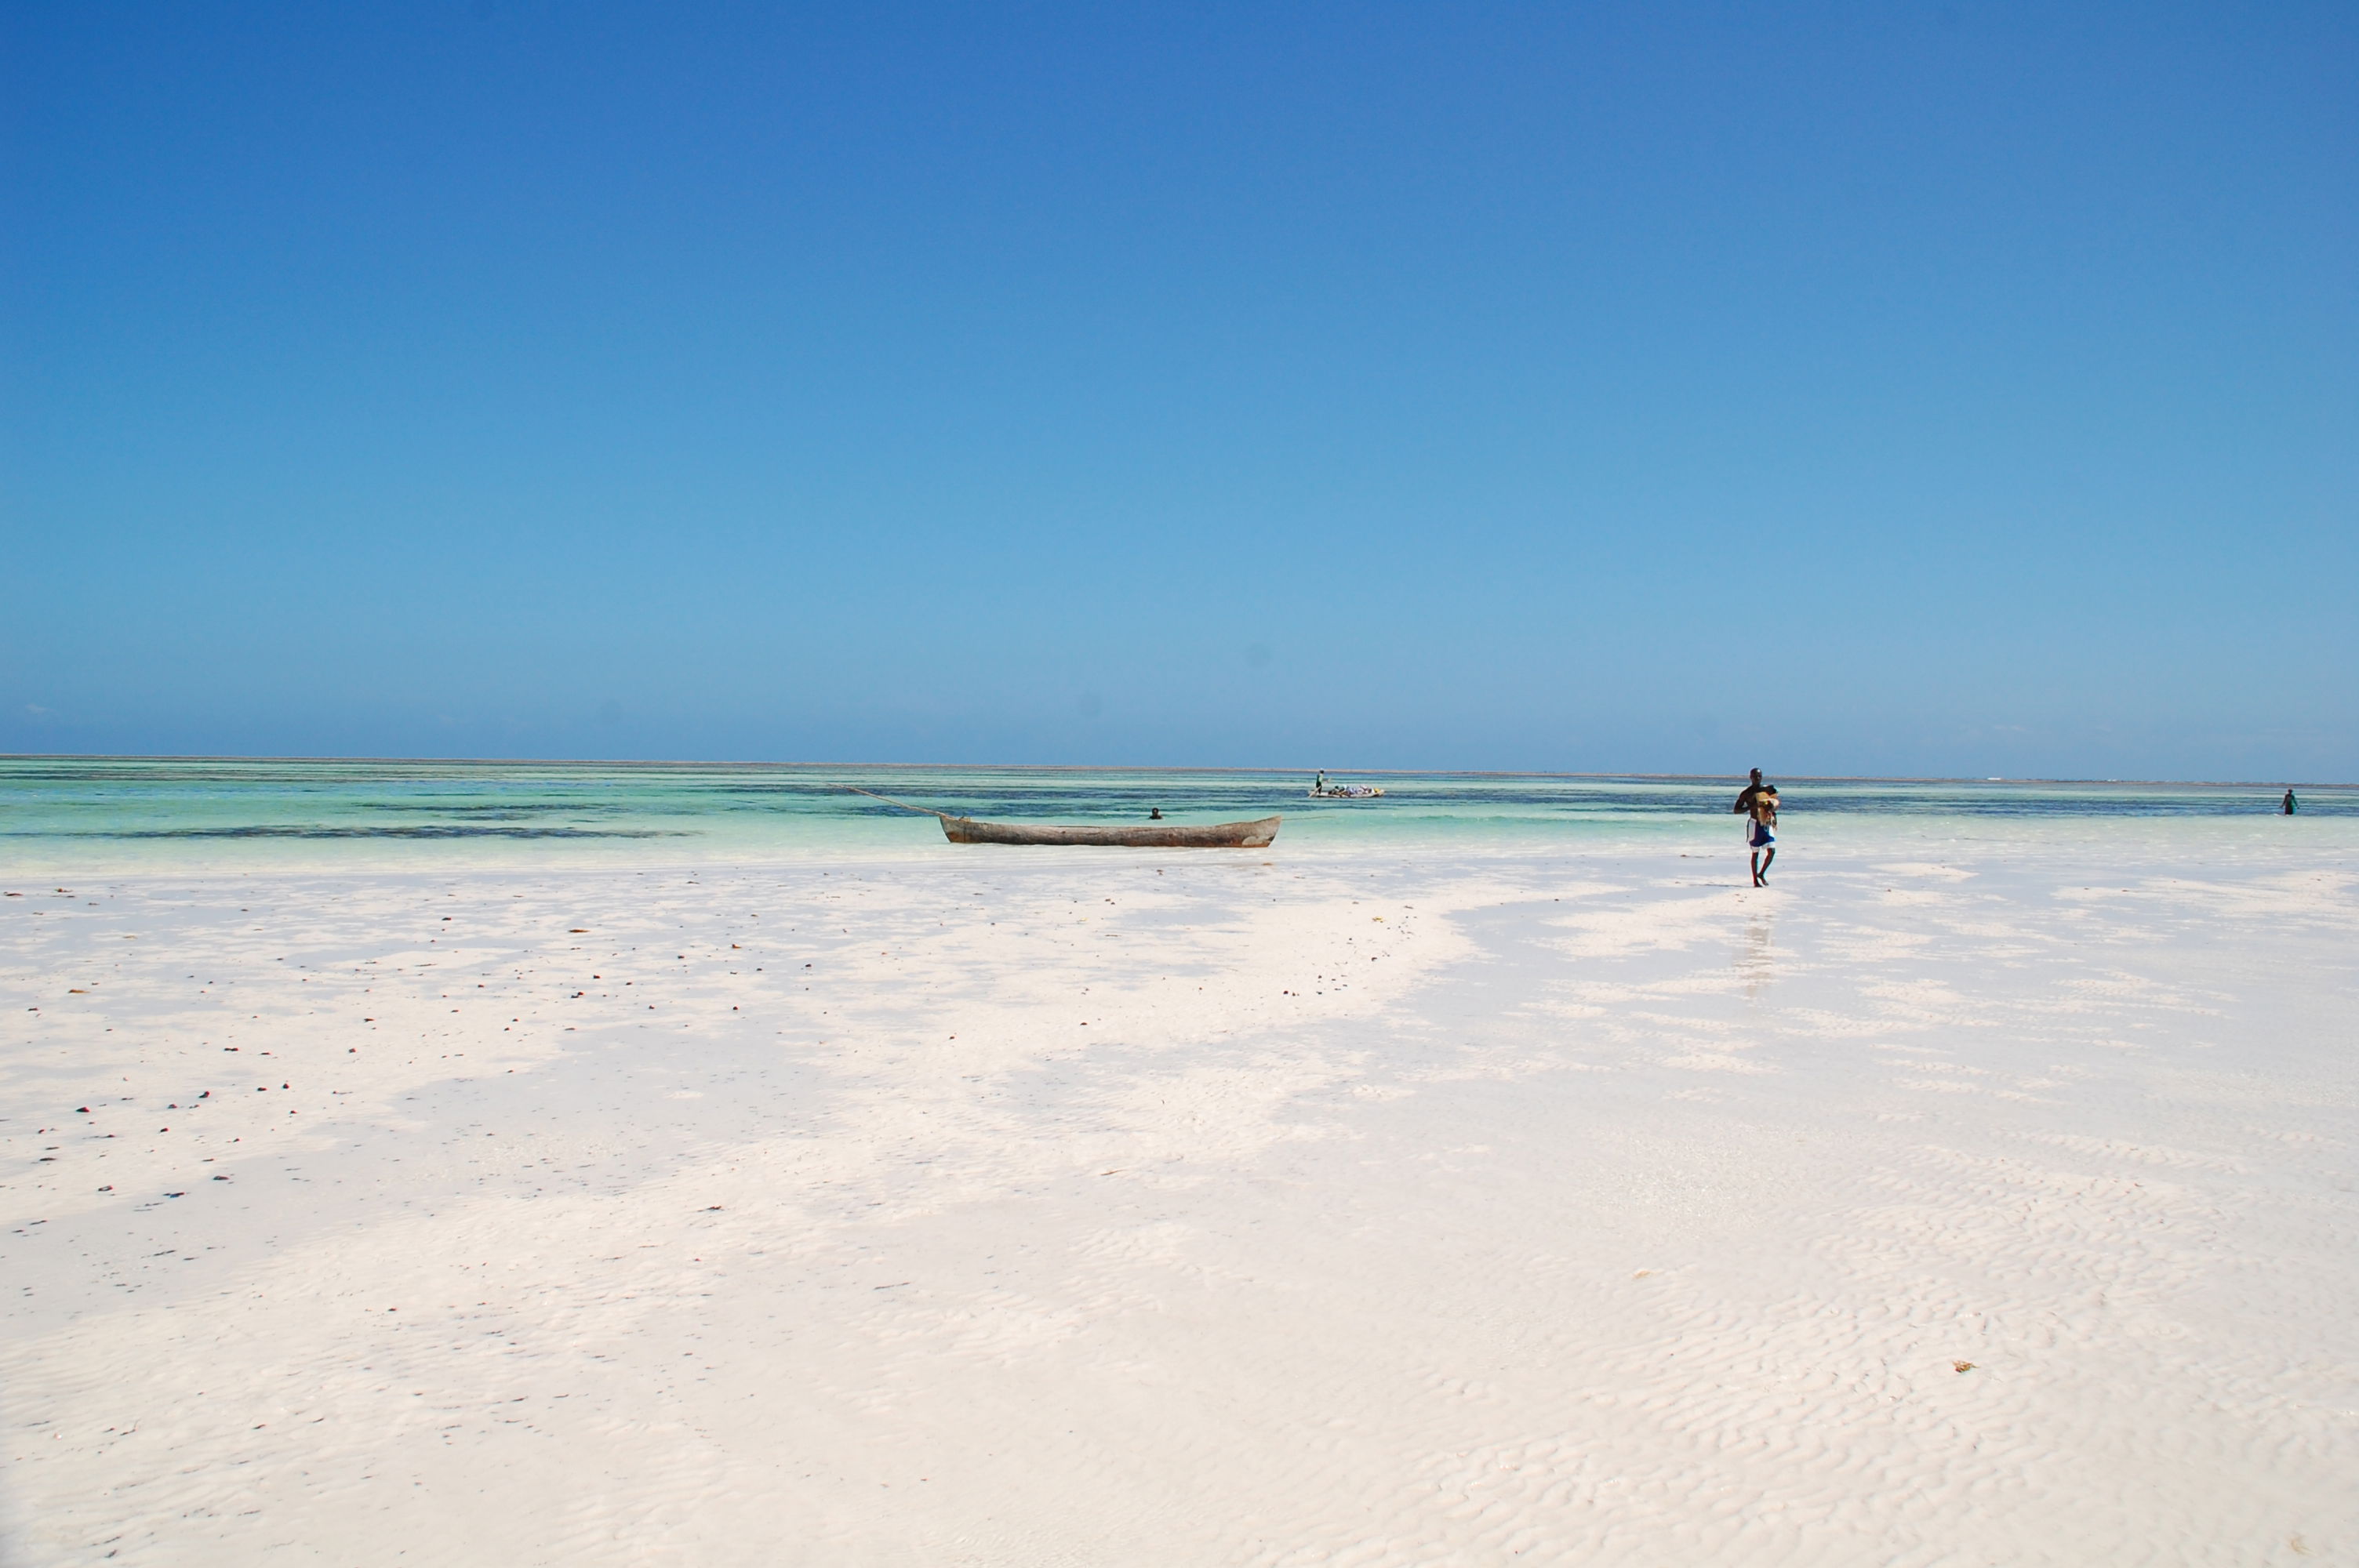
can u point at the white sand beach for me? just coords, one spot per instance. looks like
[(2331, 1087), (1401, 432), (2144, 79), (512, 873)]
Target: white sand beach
[(1984, 1197)]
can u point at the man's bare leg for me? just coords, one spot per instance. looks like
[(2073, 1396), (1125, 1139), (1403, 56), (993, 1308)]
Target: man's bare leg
[(1757, 867), (1768, 858)]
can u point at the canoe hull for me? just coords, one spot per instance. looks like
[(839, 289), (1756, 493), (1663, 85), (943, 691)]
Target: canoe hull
[(1148, 836)]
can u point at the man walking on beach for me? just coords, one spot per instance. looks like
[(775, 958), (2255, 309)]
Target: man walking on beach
[(1757, 804)]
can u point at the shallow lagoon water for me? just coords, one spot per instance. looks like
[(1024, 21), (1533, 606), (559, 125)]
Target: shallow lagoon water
[(79, 812)]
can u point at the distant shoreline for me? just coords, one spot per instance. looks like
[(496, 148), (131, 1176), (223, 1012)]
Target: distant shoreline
[(1156, 768)]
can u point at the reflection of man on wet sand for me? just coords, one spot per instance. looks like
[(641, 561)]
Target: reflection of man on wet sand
[(1757, 804)]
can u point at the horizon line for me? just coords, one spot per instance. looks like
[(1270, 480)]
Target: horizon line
[(1144, 767)]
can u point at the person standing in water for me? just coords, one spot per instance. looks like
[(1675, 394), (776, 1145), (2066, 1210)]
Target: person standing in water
[(2286, 807), (1757, 804)]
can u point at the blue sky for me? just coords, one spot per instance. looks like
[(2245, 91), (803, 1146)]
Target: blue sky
[(1847, 388)]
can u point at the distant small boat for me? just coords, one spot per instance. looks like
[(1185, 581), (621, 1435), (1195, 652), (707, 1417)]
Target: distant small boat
[(1321, 790), (1254, 835)]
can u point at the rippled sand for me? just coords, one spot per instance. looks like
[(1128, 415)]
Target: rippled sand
[(1956, 1200)]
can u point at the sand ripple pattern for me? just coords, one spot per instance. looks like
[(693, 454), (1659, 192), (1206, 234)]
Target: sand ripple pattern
[(1953, 1202)]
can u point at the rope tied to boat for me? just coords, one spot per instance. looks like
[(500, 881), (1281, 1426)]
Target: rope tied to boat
[(920, 810)]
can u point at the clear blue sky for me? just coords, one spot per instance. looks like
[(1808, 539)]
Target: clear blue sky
[(1859, 389)]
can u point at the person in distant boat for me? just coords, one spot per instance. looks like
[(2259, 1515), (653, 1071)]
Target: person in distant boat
[(1320, 786), (2286, 806), (1757, 804)]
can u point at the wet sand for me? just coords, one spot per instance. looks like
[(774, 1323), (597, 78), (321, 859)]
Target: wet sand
[(1952, 1200)]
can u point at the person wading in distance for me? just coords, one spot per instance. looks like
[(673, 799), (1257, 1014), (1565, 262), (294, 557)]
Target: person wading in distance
[(1757, 804)]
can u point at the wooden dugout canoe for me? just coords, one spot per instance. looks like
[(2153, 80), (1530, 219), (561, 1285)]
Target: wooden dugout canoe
[(1144, 836), (1255, 835)]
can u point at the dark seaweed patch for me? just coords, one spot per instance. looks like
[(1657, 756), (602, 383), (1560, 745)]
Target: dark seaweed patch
[(517, 808)]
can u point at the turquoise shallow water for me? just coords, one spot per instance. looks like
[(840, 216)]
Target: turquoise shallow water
[(132, 813)]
